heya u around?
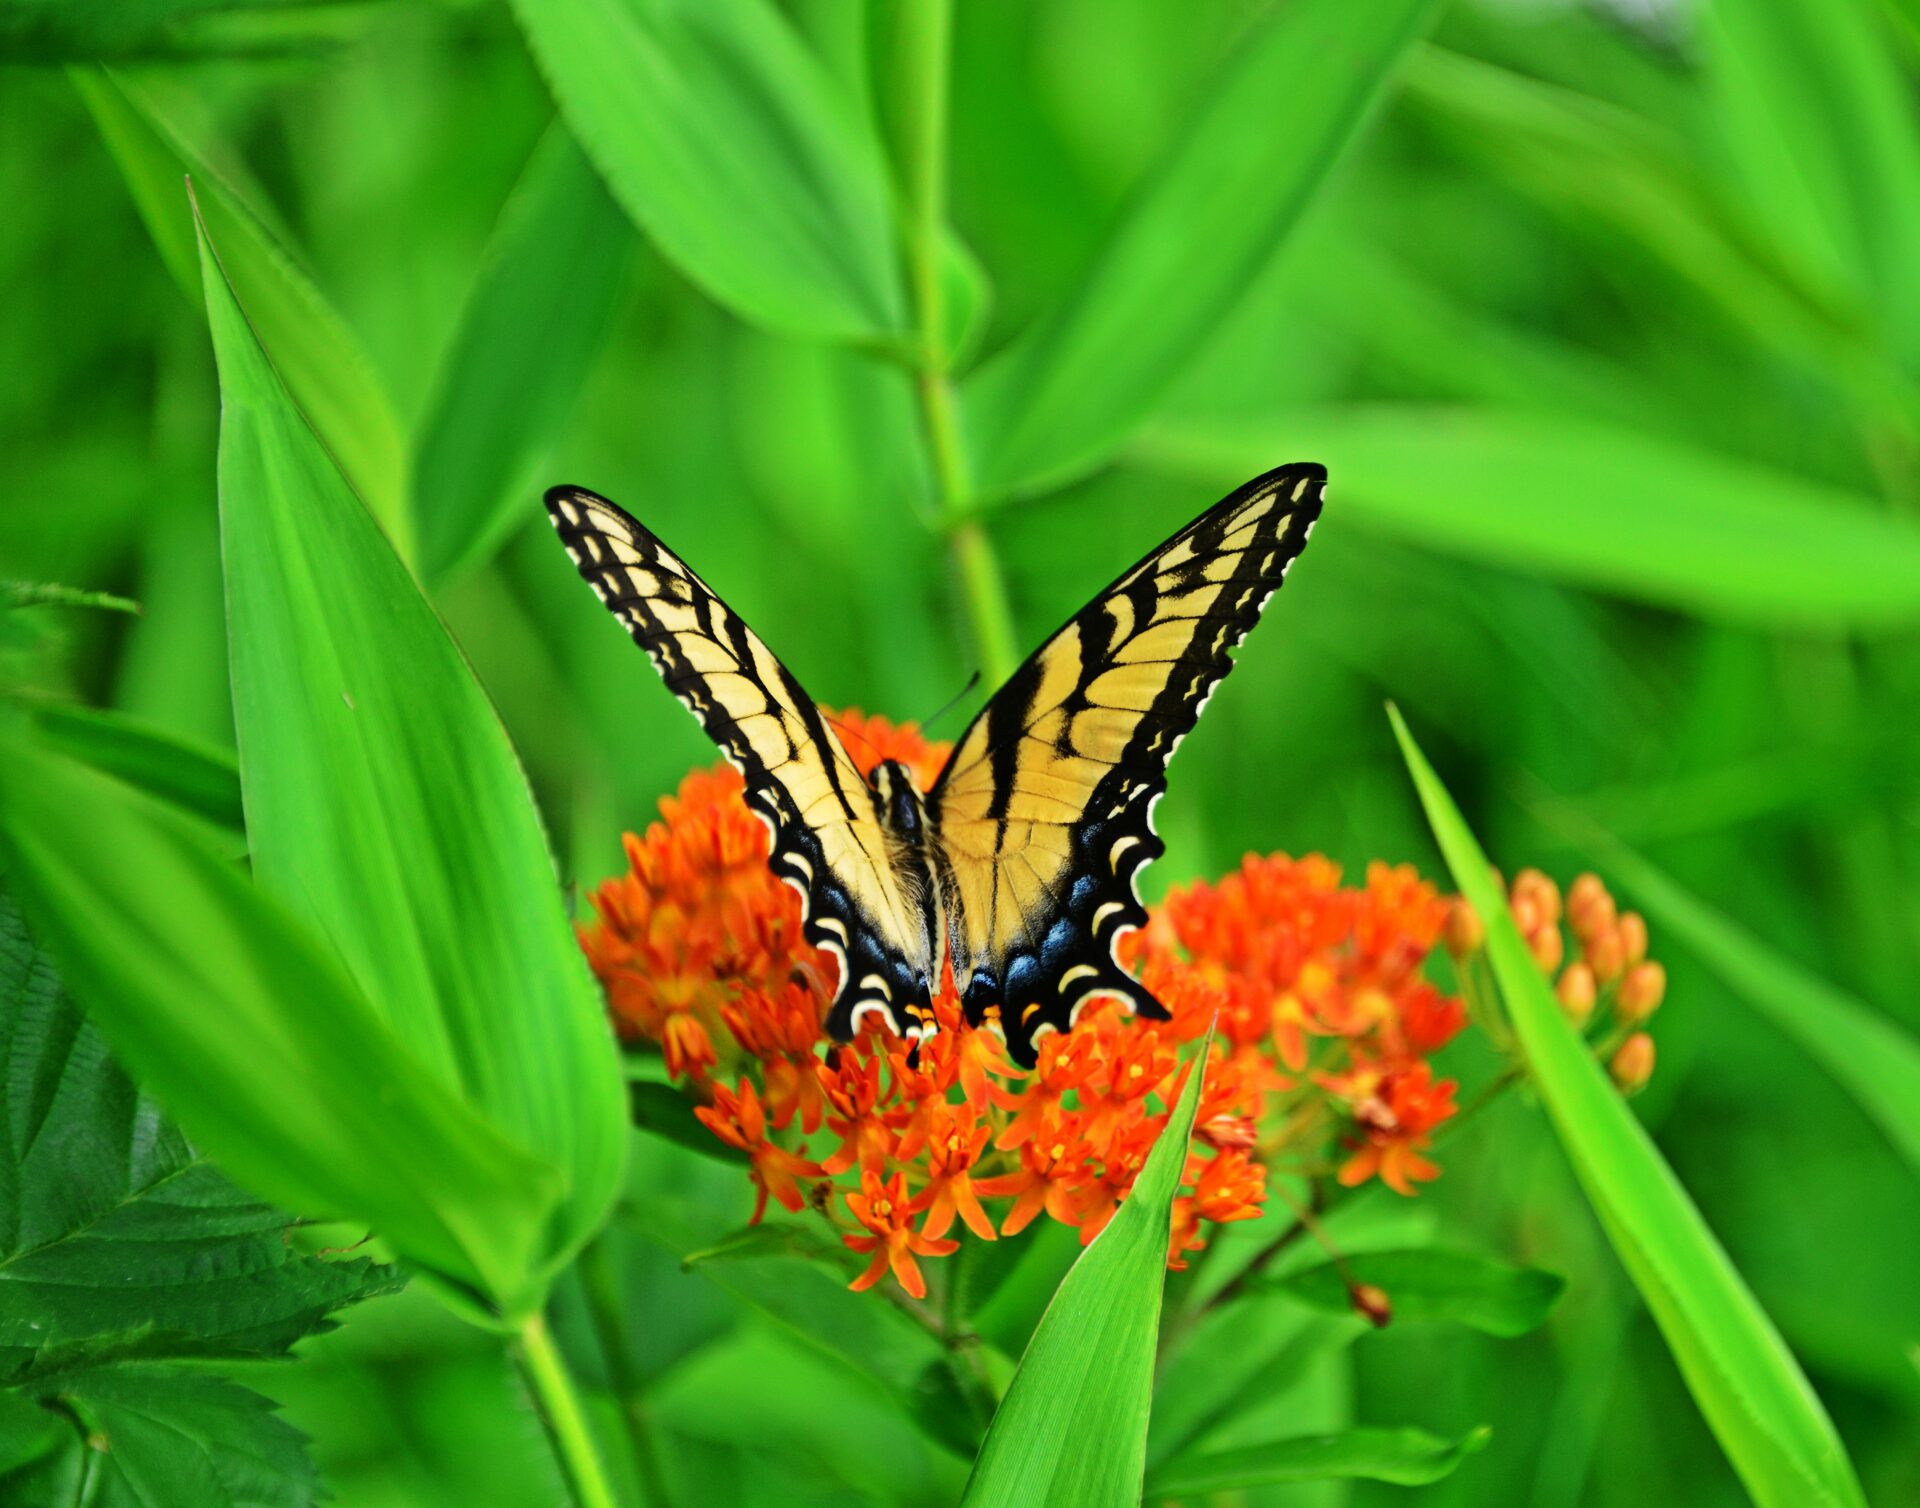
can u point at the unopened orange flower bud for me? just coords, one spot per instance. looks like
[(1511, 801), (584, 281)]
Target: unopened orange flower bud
[(1576, 993), (1541, 891), (1548, 948), (1373, 1303), (1606, 956), (1526, 913), (1632, 1065), (1590, 909), (1633, 936), (1641, 992), (1463, 932)]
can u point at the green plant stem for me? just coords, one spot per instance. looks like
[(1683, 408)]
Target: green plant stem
[(922, 56), (600, 1283), (547, 1375)]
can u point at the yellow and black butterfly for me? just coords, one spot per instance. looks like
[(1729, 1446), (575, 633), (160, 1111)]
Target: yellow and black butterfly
[(1019, 865)]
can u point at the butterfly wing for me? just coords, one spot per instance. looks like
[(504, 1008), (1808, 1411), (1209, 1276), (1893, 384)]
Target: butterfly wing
[(827, 840), (1045, 809)]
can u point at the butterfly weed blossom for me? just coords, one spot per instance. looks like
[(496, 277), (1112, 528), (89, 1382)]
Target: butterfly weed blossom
[(1325, 1023)]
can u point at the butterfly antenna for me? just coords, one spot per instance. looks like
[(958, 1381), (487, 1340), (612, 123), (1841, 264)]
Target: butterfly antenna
[(854, 733), (955, 700)]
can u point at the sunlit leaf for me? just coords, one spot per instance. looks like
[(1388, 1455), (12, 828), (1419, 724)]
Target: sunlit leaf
[(1208, 218), (1685, 528), (736, 150), (1429, 1284), (1759, 1404), (1404, 1457), (534, 323), (1072, 1428), (384, 803)]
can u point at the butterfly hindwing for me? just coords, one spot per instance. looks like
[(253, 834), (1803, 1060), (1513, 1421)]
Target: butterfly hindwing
[(1045, 809), (827, 841)]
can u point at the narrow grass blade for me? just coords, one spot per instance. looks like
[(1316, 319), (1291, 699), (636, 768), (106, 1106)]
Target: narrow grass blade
[(1404, 1457), (1595, 505), (1214, 213), (735, 149), (1759, 1404), (250, 1033), (384, 803), (1868, 1055), (321, 361), (533, 325), (1072, 1429), (193, 776)]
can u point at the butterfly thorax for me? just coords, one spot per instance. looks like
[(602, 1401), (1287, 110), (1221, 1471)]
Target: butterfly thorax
[(902, 809)]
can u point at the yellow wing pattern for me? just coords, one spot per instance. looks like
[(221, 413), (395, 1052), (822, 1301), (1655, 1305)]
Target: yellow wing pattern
[(827, 840), (1044, 813)]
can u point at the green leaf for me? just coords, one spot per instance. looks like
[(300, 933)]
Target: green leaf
[(315, 353), (250, 1033), (1594, 505), (1867, 1054), (665, 1111), (544, 299), (1404, 1457), (385, 805), (770, 1238), (193, 776), (1424, 1284), (736, 151), (115, 1237), (1207, 220), (1072, 1428), (162, 1435), (1748, 1385)]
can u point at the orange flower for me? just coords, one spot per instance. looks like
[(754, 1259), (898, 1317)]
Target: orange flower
[(1125, 1155), (883, 1209), (954, 1146), (852, 1087), (1052, 1173), (1397, 1120), (739, 1122)]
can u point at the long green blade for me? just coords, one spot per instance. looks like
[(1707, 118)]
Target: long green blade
[(1404, 1457), (1759, 1404), (384, 803), (1072, 1429)]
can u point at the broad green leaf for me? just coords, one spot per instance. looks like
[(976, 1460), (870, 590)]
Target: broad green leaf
[(1207, 220), (736, 151), (315, 353), (116, 1238), (193, 776), (533, 325), (251, 1035), (1755, 1398), (1424, 1284), (1404, 1457), (1867, 1054), (384, 803), (770, 1238), (1592, 504), (1816, 118), (1072, 1428), (146, 1436)]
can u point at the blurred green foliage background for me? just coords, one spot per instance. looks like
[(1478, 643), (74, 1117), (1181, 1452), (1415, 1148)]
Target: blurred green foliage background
[(1608, 330)]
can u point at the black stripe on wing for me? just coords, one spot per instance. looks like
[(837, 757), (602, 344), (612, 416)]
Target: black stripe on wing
[(662, 603), (1065, 954)]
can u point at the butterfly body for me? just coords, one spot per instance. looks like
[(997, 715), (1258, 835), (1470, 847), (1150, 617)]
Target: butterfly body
[(1017, 868)]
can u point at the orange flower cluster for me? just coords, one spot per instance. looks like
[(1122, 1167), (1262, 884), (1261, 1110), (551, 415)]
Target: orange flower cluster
[(1320, 1062)]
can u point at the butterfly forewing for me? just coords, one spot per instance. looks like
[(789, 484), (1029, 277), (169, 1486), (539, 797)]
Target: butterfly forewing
[(1045, 810), (827, 841)]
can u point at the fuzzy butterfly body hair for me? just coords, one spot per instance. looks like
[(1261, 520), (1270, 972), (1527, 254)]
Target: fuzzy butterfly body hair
[(1019, 865)]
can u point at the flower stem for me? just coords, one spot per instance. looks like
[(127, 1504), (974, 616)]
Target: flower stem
[(547, 1375), (921, 57), (599, 1280)]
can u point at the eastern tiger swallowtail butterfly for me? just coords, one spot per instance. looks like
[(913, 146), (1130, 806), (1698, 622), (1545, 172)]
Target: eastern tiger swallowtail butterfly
[(1019, 865)]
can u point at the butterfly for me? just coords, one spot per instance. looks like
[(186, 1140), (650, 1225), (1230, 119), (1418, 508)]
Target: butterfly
[(1019, 865)]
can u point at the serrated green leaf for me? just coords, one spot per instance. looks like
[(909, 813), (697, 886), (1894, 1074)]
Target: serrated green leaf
[(193, 776), (545, 297), (1209, 217), (1755, 1398), (737, 152), (315, 352), (116, 1239), (1404, 1457), (386, 806), (250, 1033), (1688, 528), (1072, 1428), (1424, 1284)]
